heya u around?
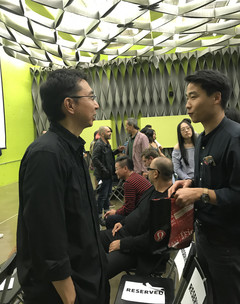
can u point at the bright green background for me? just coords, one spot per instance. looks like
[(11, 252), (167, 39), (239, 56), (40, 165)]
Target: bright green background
[(20, 130)]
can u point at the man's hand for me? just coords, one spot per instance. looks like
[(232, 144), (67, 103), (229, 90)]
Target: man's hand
[(121, 148), (186, 196), (110, 212), (116, 228), (179, 184), (115, 245)]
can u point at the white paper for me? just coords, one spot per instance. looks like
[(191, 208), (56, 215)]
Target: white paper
[(138, 292), (10, 285), (195, 292)]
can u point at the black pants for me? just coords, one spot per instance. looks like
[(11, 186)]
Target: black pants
[(117, 261), (221, 265)]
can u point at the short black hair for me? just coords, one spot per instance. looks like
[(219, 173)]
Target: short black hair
[(60, 84), (212, 81), (150, 152), (125, 161)]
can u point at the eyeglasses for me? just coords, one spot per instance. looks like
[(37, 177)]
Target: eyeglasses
[(92, 97), (151, 169)]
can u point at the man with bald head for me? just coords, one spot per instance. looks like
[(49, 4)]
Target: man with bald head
[(104, 162), (127, 244)]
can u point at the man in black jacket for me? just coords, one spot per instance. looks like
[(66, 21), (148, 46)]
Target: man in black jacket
[(128, 243), (103, 162)]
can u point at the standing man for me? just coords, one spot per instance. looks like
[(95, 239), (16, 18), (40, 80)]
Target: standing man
[(137, 143), (104, 163), (216, 185), (59, 256), (134, 187)]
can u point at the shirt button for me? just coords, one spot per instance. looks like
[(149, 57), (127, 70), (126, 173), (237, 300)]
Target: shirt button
[(201, 164), (203, 148), (200, 178)]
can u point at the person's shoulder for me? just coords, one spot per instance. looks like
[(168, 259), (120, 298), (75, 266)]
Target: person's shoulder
[(232, 126), (176, 147)]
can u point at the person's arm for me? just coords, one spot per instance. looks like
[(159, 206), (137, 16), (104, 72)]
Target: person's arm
[(130, 200), (42, 192), (96, 158), (66, 290), (176, 159)]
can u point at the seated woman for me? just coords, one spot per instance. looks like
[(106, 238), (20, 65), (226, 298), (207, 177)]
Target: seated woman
[(183, 152)]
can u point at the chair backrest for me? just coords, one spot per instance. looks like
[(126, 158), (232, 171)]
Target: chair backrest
[(9, 285), (193, 285)]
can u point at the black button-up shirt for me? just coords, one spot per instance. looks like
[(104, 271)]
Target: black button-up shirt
[(58, 231), (217, 167)]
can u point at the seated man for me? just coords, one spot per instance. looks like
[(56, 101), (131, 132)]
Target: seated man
[(128, 243), (134, 187), (147, 157)]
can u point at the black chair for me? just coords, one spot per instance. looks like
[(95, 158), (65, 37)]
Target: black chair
[(117, 191), (193, 286), (10, 292)]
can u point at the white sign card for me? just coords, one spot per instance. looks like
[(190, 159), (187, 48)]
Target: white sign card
[(138, 292)]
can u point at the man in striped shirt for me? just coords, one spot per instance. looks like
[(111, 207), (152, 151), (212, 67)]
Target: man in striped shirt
[(134, 187)]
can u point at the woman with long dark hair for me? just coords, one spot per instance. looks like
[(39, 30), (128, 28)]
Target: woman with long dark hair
[(151, 135), (183, 152)]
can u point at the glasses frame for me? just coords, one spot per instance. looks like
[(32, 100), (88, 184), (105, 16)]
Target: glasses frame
[(151, 169), (92, 97)]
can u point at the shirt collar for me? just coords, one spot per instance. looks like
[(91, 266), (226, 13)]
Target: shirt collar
[(76, 142), (205, 138)]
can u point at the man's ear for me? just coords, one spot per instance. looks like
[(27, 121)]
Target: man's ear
[(217, 98), (68, 105)]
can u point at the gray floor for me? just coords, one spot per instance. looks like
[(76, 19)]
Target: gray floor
[(8, 224)]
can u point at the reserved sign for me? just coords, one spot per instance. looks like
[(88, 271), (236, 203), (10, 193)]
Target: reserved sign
[(143, 293)]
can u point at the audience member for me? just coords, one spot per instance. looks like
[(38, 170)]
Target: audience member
[(183, 152), (128, 242), (216, 185), (137, 143), (104, 162), (151, 134), (134, 187), (147, 156), (60, 258)]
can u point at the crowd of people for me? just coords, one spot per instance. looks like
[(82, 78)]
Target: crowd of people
[(63, 256)]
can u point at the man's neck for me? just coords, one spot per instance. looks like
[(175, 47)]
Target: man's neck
[(211, 124), (162, 186), (134, 132), (104, 140), (69, 125)]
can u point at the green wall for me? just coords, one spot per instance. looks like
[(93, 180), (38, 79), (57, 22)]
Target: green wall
[(18, 116), (20, 130)]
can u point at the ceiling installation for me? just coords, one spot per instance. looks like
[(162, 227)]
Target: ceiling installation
[(69, 33)]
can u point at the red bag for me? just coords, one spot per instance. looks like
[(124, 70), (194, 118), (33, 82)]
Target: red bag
[(170, 225), (181, 226)]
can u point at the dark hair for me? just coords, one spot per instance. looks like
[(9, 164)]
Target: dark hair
[(233, 114), (165, 167), (60, 84), (181, 139), (145, 128), (149, 133), (150, 152), (132, 122), (125, 161), (212, 81)]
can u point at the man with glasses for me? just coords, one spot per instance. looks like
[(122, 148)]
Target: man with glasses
[(60, 257), (127, 244)]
